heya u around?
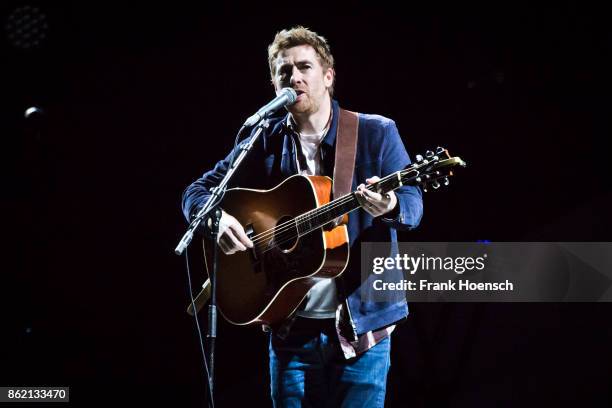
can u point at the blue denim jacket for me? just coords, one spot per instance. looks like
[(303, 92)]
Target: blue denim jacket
[(380, 151)]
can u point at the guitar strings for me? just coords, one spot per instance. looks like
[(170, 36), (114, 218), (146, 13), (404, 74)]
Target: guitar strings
[(311, 215), (321, 210), (292, 226), (283, 238), (279, 243), (288, 226)]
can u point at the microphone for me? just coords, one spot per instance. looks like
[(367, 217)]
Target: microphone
[(286, 96)]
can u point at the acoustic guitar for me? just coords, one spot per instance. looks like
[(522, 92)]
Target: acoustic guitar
[(297, 239)]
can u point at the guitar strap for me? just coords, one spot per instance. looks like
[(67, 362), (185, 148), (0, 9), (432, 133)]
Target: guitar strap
[(344, 167), (346, 150)]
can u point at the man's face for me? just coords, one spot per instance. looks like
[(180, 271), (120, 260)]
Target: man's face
[(299, 68)]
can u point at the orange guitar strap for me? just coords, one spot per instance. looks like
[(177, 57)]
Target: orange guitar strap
[(346, 149)]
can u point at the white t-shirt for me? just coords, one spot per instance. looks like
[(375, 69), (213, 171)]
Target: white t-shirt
[(322, 299)]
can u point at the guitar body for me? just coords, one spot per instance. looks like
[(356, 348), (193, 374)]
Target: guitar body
[(264, 285)]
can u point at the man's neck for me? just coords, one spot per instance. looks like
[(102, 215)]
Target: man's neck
[(314, 123)]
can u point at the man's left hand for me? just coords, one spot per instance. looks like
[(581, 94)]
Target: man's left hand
[(375, 203)]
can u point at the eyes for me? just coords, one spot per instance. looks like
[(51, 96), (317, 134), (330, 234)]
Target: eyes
[(285, 71)]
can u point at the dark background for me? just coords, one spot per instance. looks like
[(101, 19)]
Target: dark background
[(139, 100)]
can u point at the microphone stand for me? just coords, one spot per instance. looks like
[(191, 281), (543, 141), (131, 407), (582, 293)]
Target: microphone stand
[(212, 229)]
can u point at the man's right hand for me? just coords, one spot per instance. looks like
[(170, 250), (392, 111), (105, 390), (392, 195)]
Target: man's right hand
[(232, 237)]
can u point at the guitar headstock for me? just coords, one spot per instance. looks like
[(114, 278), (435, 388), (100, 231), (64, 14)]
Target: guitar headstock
[(432, 170)]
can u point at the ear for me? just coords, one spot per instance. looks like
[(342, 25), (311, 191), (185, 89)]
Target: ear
[(328, 77)]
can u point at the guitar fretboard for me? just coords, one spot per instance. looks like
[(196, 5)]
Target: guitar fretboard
[(325, 214)]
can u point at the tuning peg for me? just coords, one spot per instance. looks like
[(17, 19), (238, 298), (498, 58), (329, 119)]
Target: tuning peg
[(429, 153), (424, 188), (440, 150), (435, 185), (446, 181), (419, 158)]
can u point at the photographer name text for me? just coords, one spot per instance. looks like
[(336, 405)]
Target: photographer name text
[(450, 285)]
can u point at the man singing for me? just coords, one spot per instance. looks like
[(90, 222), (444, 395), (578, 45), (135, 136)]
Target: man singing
[(334, 350)]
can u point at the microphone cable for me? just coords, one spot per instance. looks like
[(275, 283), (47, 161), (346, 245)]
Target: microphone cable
[(199, 330)]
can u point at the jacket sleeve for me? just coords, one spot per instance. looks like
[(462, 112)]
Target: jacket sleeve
[(409, 210), (198, 192)]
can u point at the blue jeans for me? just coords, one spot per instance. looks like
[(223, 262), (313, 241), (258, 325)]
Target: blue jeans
[(308, 369)]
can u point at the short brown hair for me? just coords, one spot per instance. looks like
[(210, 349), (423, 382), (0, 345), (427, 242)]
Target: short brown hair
[(299, 35)]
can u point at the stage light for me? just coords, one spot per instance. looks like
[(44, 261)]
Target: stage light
[(33, 111)]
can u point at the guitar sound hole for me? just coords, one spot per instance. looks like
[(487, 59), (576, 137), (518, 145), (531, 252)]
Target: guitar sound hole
[(286, 235)]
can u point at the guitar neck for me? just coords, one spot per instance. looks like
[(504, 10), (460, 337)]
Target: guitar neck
[(327, 213), (323, 215)]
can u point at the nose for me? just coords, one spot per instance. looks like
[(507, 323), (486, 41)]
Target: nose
[(296, 76)]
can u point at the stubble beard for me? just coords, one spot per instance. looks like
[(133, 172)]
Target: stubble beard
[(305, 107)]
